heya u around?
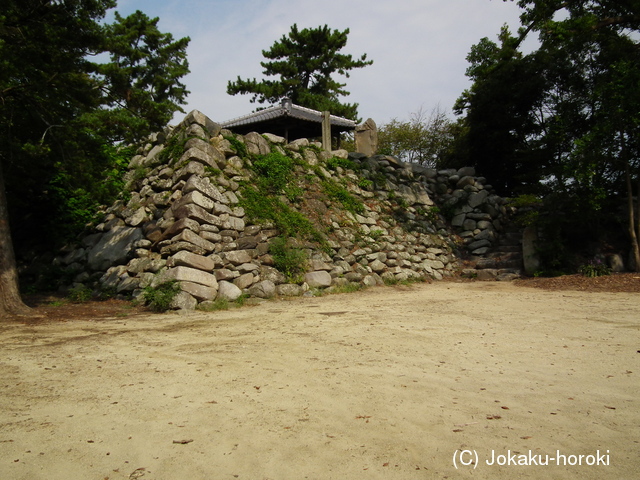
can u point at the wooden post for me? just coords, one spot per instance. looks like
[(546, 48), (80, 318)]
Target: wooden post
[(326, 131)]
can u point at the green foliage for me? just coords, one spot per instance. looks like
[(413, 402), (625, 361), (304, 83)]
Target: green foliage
[(339, 193), (528, 206), (159, 298), (334, 162), (365, 184), (263, 206), (67, 110), (141, 84), (376, 234), (80, 294), (595, 268), (291, 261), (423, 139), (274, 172), (262, 202), (173, 150), (215, 306), (239, 147), (433, 214), (305, 61)]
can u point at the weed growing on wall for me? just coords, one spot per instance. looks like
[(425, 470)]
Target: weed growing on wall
[(291, 261), (159, 298), (340, 194)]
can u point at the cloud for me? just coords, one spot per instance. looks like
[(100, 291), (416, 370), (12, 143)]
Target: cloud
[(418, 46)]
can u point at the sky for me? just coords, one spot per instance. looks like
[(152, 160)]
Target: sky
[(418, 47)]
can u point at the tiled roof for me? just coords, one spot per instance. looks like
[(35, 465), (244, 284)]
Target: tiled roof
[(288, 109)]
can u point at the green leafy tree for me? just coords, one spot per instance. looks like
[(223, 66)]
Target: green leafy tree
[(562, 120), (305, 62), (62, 114), (140, 85), (424, 139)]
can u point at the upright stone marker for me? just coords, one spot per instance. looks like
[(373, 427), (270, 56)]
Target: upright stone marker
[(366, 137)]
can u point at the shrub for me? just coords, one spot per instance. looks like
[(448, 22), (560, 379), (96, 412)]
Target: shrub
[(274, 171), (159, 298), (348, 201), (335, 162), (289, 260), (595, 268), (79, 294)]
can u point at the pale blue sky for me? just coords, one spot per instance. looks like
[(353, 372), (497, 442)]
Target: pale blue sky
[(419, 47)]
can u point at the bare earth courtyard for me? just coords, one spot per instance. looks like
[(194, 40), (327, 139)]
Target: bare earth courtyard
[(387, 383)]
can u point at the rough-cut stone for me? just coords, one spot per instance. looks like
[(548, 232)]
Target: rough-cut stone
[(256, 144), (228, 291), (113, 248), (195, 116), (289, 290), (180, 225), (275, 138), (202, 185), (191, 168), (238, 257), (183, 301), (198, 155), (320, 279), (377, 266), (263, 289), (244, 281), (226, 274), (194, 238), (477, 199), (212, 152), (188, 259), (194, 198), (198, 291), (187, 274), (616, 263), (197, 213)]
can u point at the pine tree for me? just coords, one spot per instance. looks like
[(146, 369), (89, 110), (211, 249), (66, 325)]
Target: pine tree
[(305, 61)]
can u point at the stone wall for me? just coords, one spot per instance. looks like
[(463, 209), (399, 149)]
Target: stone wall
[(183, 220)]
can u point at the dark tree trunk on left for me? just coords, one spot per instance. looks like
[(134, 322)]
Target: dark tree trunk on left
[(10, 301)]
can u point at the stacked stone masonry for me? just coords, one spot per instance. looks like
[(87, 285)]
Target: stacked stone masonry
[(183, 221)]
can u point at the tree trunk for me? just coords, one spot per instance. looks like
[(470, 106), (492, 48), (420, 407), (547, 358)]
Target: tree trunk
[(633, 225), (10, 301)]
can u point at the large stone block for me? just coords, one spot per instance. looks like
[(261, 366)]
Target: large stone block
[(113, 248), (188, 274), (196, 116), (202, 185), (191, 168), (194, 238), (180, 225), (263, 289), (200, 292), (228, 291), (211, 151), (188, 259), (319, 279), (197, 155), (238, 257), (194, 198), (198, 214), (256, 144), (184, 301)]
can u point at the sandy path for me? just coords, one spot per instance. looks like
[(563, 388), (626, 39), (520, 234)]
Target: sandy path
[(383, 384)]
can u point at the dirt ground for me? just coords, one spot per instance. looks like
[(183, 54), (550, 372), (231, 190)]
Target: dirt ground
[(405, 382)]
